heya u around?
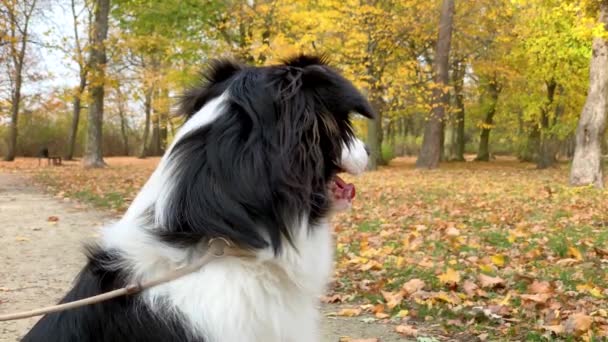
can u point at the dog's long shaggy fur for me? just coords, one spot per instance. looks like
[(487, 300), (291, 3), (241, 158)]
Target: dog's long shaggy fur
[(255, 163)]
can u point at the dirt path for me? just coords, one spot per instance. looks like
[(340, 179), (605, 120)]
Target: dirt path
[(39, 258)]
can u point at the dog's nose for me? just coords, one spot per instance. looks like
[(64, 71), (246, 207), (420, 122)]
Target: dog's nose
[(367, 149)]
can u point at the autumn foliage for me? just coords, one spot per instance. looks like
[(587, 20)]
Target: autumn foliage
[(499, 250)]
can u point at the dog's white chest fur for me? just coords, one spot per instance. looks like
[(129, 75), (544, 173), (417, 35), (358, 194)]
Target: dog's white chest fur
[(267, 298)]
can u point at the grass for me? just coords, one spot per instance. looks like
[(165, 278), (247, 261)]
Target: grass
[(505, 219)]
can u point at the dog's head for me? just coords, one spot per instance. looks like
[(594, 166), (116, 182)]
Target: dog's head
[(260, 152)]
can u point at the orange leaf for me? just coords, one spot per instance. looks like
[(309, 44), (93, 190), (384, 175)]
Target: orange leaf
[(540, 287), (575, 253), (392, 298), (349, 312), (406, 330), (578, 323)]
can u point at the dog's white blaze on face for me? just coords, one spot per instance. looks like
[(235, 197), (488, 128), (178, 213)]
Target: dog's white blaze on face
[(354, 157), (354, 161)]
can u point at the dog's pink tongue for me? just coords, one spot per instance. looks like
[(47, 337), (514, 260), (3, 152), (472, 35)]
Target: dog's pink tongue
[(345, 190)]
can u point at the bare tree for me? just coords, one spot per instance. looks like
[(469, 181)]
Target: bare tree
[(18, 15), (148, 113), (121, 100), (83, 69), (97, 60), (492, 90), (430, 153), (587, 163)]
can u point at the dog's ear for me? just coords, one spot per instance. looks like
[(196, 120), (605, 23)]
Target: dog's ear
[(213, 82), (337, 93), (302, 61)]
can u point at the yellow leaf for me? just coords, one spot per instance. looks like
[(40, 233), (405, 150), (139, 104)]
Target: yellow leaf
[(575, 253), (595, 292), (450, 276), (403, 313), (498, 260), (505, 301), (486, 268)]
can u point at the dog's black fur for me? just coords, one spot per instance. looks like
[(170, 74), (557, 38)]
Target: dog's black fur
[(268, 158), (248, 176)]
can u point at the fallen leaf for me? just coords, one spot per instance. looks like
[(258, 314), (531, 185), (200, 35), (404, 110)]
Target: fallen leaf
[(556, 329), (540, 298), (331, 299), (566, 262), (540, 287), (498, 260), (575, 253), (601, 252), (452, 232), (21, 239), (52, 219), (406, 330), (392, 298), (412, 286), (403, 313), (382, 315), (578, 323), (352, 312), (450, 277), (469, 288), (490, 282)]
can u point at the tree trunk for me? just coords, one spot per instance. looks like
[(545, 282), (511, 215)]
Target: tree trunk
[(459, 137), (430, 153), (83, 71), (587, 163), (483, 154), (449, 145), (76, 104), (547, 147), (148, 112), (17, 41), (531, 147), (374, 141), (155, 141), (123, 122), (94, 154), (15, 101)]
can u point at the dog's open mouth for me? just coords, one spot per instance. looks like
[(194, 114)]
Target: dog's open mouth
[(343, 193)]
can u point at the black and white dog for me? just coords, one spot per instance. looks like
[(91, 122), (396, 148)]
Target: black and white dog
[(256, 163)]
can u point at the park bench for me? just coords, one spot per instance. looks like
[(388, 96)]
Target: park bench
[(51, 160)]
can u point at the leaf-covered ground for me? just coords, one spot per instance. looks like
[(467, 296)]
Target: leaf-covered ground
[(497, 251)]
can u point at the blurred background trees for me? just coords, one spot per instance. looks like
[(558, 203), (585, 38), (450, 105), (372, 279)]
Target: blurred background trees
[(513, 79)]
